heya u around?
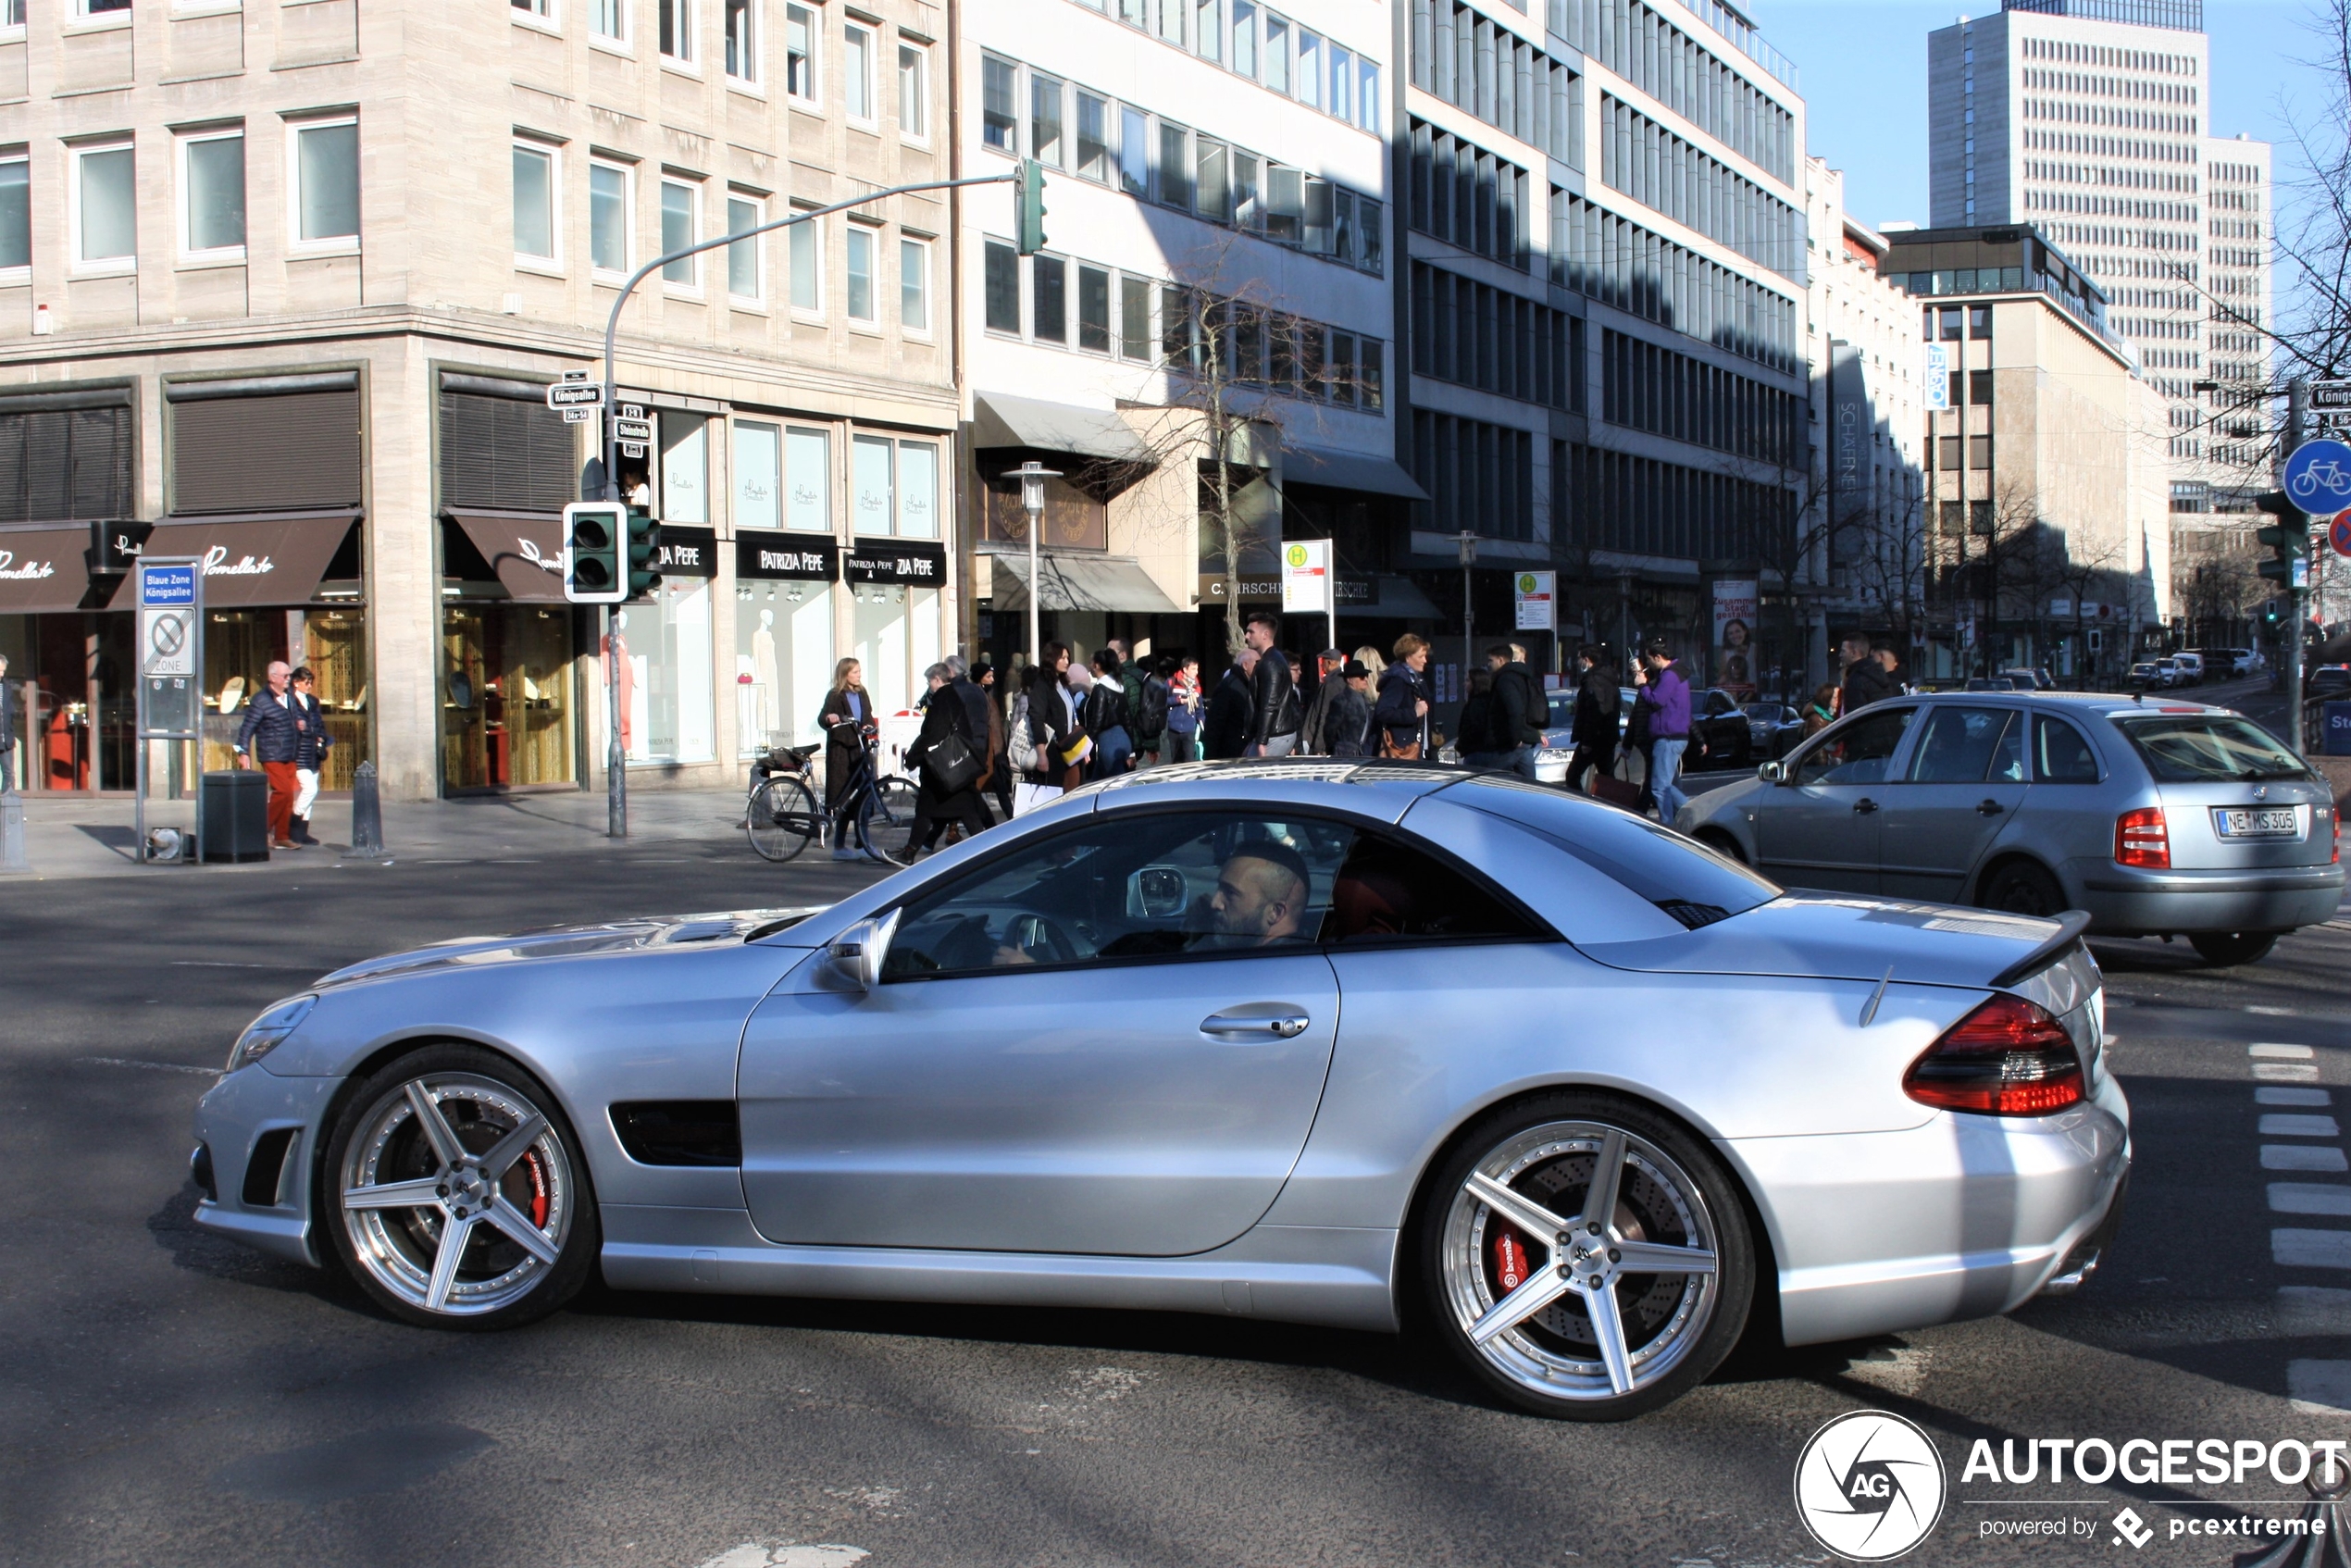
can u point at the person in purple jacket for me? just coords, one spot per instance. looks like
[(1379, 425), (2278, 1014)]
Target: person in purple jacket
[(1667, 697)]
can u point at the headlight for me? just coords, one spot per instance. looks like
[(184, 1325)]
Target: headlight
[(266, 1033)]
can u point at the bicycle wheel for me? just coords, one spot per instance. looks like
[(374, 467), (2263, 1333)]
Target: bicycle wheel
[(783, 819), (887, 821)]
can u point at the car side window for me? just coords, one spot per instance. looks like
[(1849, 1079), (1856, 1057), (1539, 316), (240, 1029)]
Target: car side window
[(2061, 755), (1856, 752), (1967, 746), (1390, 892), (1145, 886)]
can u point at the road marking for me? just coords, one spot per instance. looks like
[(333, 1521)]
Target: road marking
[(2307, 1311), (2301, 1157), (152, 1066), (2272, 1012), (2292, 1096), (753, 1554), (2282, 1052), (2281, 1125), (2286, 1072), (2319, 1387), (2310, 1198), (2290, 1248)]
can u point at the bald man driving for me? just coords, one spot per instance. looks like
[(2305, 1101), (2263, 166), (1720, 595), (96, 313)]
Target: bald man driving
[(1260, 896)]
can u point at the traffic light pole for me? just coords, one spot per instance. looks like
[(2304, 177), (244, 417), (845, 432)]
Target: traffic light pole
[(2298, 591), (616, 761)]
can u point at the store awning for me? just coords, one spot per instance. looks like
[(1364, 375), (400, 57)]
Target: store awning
[(1348, 470), (1393, 598), (1078, 582), (43, 569), (526, 548), (252, 558), (1000, 420)]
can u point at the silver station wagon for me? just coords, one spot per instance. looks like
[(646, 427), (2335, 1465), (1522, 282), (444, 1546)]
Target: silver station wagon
[(2159, 818)]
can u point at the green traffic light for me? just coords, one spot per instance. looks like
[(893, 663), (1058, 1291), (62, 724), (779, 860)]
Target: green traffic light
[(644, 553), (1029, 216)]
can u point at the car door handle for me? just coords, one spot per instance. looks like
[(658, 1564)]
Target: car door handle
[(1990, 808), (1271, 1026), (1865, 805)]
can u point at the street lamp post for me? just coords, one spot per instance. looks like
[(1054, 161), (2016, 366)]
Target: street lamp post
[(1468, 542), (1033, 476)]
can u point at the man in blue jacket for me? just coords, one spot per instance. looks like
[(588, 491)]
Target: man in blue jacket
[(271, 736)]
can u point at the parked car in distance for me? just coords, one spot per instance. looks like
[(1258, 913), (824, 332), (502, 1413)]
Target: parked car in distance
[(2191, 668), (2030, 680), (2144, 675), (1772, 727), (2328, 678), (2160, 819), (2246, 662), (2000, 683)]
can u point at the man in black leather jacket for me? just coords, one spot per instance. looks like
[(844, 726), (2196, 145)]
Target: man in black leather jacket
[(1273, 730)]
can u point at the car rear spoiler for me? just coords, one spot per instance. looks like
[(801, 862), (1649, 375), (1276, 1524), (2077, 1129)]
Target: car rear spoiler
[(2071, 924)]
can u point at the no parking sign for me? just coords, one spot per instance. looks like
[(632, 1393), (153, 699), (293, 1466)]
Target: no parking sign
[(2339, 534)]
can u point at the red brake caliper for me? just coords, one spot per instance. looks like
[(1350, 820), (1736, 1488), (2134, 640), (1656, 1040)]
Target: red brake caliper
[(1511, 1266), (537, 1188)]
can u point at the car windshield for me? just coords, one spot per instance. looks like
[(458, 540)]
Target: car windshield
[(2208, 748)]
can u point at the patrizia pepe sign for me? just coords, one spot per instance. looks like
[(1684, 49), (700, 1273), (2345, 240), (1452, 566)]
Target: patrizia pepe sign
[(31, 572)]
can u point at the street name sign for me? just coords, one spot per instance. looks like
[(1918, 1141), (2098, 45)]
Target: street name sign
[(580, 416), (576, 395), (627, 429)]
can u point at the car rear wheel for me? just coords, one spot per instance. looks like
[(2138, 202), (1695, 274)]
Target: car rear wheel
[(2021, 887), (455, 1194), (2221, 949), (1585, 1257)]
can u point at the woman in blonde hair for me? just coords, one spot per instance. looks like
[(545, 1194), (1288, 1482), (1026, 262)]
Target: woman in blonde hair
[(1401, 718), (1369, 657), (847, 712)]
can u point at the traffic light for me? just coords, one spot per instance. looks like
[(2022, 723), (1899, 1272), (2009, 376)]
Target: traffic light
[(2273, 613), (1029, 225), (2288, 538), (644, 554), (591, 552)]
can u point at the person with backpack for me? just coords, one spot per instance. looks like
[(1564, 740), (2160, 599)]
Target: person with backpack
[(1402, 714), (1107, 718), (1183, 708), (1273, 728), (1225, 732), (1473, 727), (1150, 698), (1313, 738), (1599, 699)]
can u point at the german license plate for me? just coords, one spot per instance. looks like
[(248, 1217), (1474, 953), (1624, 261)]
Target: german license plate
[(2278, 822)]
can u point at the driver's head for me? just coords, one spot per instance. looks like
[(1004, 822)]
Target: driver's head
[(1261, 894)]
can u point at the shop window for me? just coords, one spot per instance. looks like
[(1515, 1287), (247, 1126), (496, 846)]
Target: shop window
[(666, 680), (896, 632), (917, 490), (783, 661), (506, 696), (872, 473), (808, 479), (685, 468), (758, 468)]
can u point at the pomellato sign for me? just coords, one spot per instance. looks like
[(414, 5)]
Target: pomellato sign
[(217, 563), (31, 572)]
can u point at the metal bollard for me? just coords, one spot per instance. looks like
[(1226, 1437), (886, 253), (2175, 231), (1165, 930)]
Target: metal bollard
[(12, 856), (367, 816)]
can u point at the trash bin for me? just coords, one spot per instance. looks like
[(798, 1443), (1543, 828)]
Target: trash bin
[(232, 815)]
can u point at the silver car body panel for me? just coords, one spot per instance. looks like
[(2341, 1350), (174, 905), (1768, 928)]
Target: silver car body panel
[(1115, 1157)]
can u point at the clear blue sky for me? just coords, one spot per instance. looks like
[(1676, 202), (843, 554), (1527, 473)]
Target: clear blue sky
[(1862, 67)]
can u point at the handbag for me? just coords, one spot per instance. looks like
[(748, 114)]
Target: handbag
[(1409, 751), (1028, 797), (950, 764)]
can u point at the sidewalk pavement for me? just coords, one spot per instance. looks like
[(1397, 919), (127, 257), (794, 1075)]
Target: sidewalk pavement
[(72, 836)]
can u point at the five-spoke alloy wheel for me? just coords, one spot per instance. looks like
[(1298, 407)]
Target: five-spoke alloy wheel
[(1586, 1257), (455, 1194)]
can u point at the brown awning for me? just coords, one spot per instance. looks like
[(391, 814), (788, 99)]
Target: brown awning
[(253, 558), (526, 548), (44, 568)]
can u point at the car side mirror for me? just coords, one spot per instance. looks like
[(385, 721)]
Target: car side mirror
[(854, 958), (1772, 773)]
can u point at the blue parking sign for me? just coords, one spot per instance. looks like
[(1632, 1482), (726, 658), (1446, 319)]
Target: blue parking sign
[(2338, 729), (166, 584)]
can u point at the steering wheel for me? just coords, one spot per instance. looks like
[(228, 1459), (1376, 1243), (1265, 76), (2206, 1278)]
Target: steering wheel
[(1039, 939)]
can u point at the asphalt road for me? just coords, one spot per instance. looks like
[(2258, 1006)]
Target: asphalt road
[(170, 1399)]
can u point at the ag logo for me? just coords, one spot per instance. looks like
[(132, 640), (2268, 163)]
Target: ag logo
[(1297, 554), (1869, 1486)]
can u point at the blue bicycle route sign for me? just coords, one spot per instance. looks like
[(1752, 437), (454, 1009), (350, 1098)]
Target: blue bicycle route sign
[(2318, 477)]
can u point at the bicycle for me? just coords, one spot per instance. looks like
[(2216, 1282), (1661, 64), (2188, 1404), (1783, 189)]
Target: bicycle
[(782, 817)]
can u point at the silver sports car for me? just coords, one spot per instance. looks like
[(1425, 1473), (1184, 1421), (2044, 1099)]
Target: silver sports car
[(1373, 1045)]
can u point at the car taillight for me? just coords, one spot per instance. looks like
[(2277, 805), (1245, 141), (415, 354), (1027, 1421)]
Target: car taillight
[(2007, 1058), (2140, 839)]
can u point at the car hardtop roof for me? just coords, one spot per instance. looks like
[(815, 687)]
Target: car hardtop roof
[(1374, 786)]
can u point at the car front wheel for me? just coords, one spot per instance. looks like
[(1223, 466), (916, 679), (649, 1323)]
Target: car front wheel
[(455, 1194), (1585, 1258)]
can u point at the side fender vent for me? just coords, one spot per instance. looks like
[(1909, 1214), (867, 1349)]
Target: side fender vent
[(265, 1172), (679, 1132)]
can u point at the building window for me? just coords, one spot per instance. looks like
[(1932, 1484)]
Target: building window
[(608, 216), (212, 194), (1175, 166), (1310, 68), (677, 29), (1245, 38), (743, 59), (913, 91), (857, 67), (680, 226), (543, 10), (1049, 298), (1208, 29), (1093, 310), (1001, 287), (913, 285), (1093, 137), (1045, 120), (1367, 105), (534, 201), (998, 120), (808, 481), (800, 53), (11, 16), (1276, 53), (15, 214), (807, 265), (105, 205), (609, 18), (325, 181), (1171, 20), (1134, 151), (1342, 98), (1135, 318), (744, 282), (863, 306), (870, 479)]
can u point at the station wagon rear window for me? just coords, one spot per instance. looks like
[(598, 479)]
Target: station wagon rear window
[(2209, 748)]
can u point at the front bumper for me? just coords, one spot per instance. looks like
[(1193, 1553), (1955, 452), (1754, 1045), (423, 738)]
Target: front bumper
[(1964, 1216), (2124, 902), (236, 1117)]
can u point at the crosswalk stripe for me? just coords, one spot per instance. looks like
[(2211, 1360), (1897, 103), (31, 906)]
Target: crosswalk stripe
[(2293, 1248), (2286, 1072), (2267, 1096), (2282, 1052), (2309, 1310), (2301, 1157), (2278, 1125), (2310, 1198)]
